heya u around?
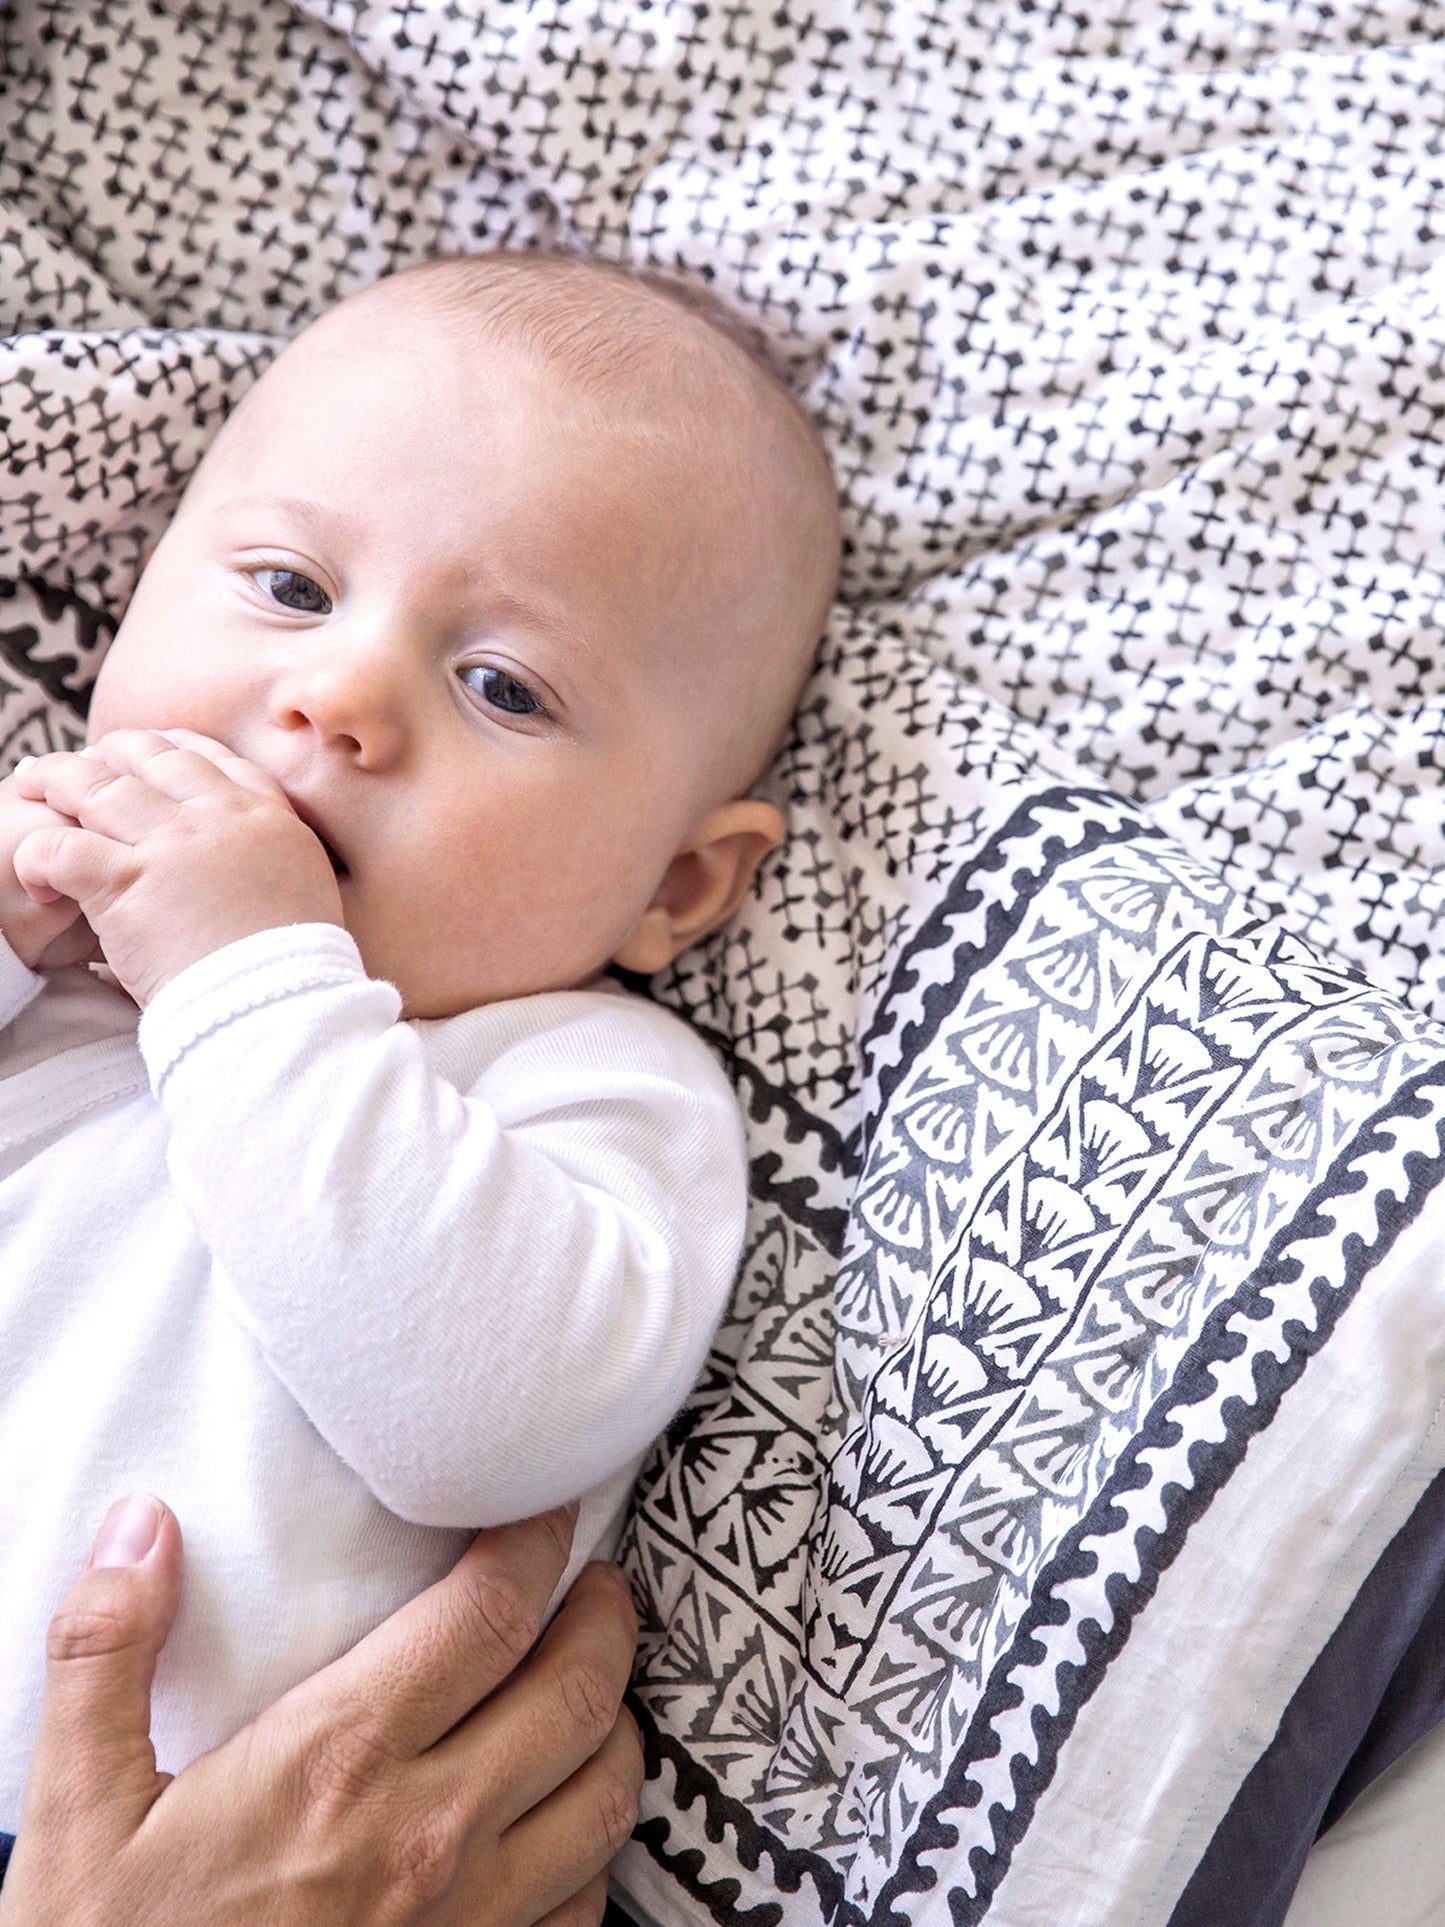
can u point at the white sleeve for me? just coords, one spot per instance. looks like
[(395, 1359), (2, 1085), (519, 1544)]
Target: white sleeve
[(19, 984), (486, 1300)]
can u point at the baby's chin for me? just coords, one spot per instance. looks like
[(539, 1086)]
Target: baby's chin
[(428, 999)]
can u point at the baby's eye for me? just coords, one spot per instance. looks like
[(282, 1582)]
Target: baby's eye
[(295, 591), (502, 691)]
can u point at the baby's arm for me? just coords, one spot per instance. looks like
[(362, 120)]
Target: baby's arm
[(486, 1299)]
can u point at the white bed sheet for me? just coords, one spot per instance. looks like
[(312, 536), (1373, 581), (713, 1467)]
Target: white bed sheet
[(1383, 1865)]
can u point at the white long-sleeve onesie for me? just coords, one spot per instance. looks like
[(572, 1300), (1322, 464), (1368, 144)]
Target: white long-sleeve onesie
[(337, 1286)]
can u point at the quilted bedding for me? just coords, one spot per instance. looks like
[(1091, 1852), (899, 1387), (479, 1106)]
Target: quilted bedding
[(1087, 1353)]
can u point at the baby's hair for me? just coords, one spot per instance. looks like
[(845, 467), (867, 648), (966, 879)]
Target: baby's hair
[(601, 334)]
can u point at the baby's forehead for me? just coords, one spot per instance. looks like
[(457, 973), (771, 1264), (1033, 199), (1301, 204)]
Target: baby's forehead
[(613, 345)]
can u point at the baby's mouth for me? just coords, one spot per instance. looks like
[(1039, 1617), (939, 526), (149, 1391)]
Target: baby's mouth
[(338, 867)]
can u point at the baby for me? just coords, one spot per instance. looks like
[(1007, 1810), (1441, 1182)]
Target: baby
[(390, 1215)]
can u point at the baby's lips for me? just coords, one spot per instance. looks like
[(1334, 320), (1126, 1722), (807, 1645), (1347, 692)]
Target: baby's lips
[(313, 823)]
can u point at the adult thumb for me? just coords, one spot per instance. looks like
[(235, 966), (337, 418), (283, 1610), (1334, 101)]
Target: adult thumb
[(93, 1753)]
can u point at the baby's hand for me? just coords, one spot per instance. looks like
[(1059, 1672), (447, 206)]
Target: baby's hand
[(48, 933), (175, 847)]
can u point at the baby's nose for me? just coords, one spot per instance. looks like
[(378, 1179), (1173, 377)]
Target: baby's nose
[(352, 699)]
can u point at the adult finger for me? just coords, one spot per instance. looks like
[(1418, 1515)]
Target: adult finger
[(573, 1834), (421, 1671), (93, 1753), (554, 1715), (582, 1910)]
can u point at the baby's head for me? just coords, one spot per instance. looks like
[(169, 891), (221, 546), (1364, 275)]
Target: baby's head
[(509, 571)]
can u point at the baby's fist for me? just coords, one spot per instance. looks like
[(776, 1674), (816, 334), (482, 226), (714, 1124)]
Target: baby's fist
[(173, 847), (45, 930)]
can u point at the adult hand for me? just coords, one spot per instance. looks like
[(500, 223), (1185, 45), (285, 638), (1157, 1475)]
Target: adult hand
[(441, 1772)]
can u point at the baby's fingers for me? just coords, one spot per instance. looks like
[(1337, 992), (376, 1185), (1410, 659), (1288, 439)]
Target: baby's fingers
[(95, 793), (181, 764), (65, 861), (248, 775)]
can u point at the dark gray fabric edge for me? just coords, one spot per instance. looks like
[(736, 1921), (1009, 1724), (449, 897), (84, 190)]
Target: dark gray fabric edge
[(1377, 1686)]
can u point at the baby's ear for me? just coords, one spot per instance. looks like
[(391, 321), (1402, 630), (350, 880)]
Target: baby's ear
[(705, 882)]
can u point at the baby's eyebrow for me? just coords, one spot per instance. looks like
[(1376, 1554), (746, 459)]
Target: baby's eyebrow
[(322, 521), (319, 519), (540, 618)]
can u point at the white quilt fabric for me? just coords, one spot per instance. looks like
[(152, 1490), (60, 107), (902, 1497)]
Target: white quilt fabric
[(1087, 1349)]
